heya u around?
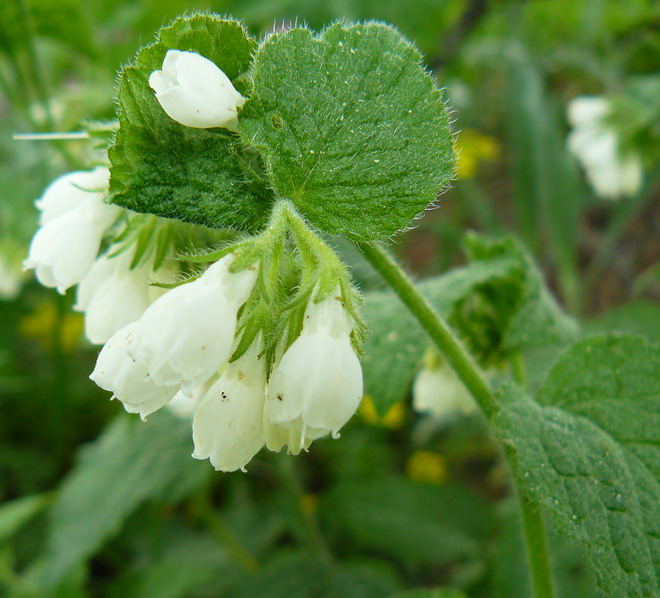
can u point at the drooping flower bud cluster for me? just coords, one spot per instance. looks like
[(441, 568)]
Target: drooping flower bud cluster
[(183, 343), (261, 346), (597, 146), (76, 222)]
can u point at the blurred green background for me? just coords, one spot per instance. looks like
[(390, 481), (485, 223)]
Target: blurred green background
[(97, 504)]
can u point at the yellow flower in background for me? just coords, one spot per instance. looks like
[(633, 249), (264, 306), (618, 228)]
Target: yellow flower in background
[(471, 148), (309, 502), (40, 325), (427, 467), (393, 419)]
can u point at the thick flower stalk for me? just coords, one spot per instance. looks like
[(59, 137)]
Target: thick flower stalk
[(317, 385), (596, 145), (195, 92), (74, 219)]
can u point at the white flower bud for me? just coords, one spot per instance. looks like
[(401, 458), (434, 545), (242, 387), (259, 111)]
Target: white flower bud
[(186, 335), (195, 92), (317, 386), (596, 145), (128, 379), (440, 392), (68, 191), (228, 424), (64, 249)]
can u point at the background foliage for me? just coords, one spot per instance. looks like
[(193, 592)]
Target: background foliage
[(96, 503)]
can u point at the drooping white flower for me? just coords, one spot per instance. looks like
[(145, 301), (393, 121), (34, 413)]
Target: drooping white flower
[(596, 145), (317, 385), (228, 423), (70, 190), (63, 250), (127, 378), (440, 392), (195, 92), (113, 295), (187, 334)]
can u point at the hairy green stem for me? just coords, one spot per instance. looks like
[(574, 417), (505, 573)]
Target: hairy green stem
[(443, 337), (534, 529), (473, 379)]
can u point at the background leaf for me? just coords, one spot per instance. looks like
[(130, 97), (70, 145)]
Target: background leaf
[(415, 522), (498, 303), (589, 453), (130, 463), (352, 128)]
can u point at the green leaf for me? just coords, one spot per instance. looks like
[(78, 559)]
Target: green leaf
[(640, 317), (414, 522), (351, 127), (130, 463), (14, 514), (301, 574), (588, 450), (158, 166), (498, 304), (396, 342), (436, 593)]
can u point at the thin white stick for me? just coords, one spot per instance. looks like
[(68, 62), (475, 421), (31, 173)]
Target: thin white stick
[(49, 136)]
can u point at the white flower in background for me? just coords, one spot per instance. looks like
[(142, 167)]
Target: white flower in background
[(186, 335), (440, 392), (65, 247), (113, 295), (128, 379), (597, 147), (195, 92), (317, 385), (11, 279), (228, 424)]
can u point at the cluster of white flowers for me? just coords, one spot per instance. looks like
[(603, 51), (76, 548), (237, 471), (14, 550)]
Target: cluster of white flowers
[(174, 347), (182, 344), (596, 145), (64, 252), (439, 392)]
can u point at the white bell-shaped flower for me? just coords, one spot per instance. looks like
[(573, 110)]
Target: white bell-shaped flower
[(70, 190), (127, 378), (596, 145), (112, 295), (64, 249), (228, 424), (195, 92), (317, 385), (186, 335), (439, 392)]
